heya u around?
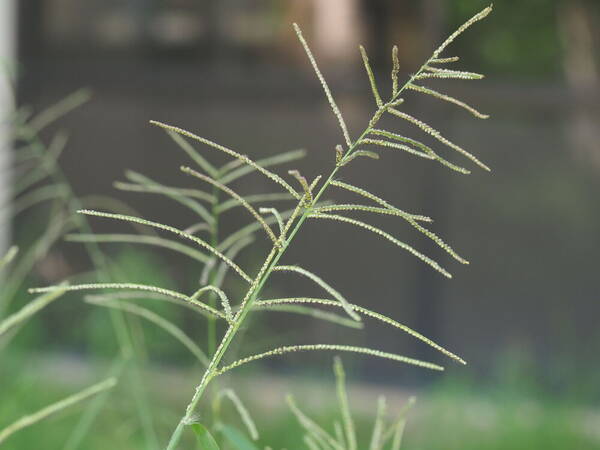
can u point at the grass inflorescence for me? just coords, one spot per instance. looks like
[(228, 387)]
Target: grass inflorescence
[(306, 199)]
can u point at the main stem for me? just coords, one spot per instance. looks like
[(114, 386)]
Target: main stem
[(265, 271)]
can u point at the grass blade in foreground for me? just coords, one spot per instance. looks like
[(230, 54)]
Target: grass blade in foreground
[(43, 413), (205, 439), (29, 310)]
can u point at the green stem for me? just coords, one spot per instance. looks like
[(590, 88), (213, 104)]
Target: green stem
[(263, 275)]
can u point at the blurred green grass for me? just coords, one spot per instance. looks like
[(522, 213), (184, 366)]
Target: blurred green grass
[(454, 414)]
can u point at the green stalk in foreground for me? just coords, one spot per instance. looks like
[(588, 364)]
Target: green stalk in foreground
[(305, 204)]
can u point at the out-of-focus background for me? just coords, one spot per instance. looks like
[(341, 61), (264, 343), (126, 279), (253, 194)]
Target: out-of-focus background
[(524, 313)]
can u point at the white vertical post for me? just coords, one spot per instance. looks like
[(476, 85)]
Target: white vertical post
[(8, 27), (337, 30)]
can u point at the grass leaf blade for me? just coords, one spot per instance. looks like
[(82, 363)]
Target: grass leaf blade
[(43, 413)]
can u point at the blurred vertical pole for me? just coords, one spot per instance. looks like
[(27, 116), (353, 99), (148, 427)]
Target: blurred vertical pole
[(575, 19), (7, 58), (337, 30), (429, 284)]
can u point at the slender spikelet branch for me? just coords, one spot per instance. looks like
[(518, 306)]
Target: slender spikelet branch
[(435, 238), (316, 313), (228, 174), (371, 76), (387, 236), (314, 183), (362, 192), (272, 176), (275, 160), (373, 209), (250, 229), (251, 292), (319, 281), (382, 143), (339, 155), (476, 18), (277, 216), (359, 153), (292, 217), (236, 196), (193, 154), (378, 200), (224, 300), (434, 72), (449, 99), (422, 146), (308, 197), (232, 253), (395, 70), (451, 59), (173, 230), (131, 286), (330, 347), (138, 295), (365, 312), (437, 135), (332, 103)]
